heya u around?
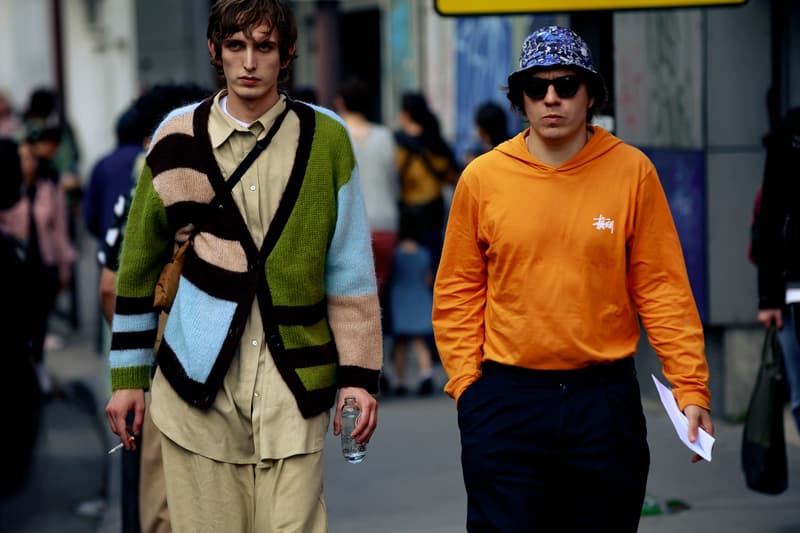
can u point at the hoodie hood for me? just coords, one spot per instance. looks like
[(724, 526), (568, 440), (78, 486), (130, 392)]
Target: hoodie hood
[(600, 143)]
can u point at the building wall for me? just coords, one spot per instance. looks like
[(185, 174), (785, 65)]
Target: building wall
[(171, 42), (25, 63), (659, 69), (100, 73), (738, 41)]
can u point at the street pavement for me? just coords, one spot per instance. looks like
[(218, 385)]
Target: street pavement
[(410, 481)]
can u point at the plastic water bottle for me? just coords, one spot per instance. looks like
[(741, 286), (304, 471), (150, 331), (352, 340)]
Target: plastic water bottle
[(352, 451)]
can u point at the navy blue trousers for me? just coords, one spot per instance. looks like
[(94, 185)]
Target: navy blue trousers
[(554, 451)]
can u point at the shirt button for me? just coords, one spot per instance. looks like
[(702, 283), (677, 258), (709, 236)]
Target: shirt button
[(252, 187), (254, 342), (255, 394)]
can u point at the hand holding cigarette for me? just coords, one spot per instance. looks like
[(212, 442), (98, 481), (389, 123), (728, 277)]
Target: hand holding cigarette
[(119, 446)]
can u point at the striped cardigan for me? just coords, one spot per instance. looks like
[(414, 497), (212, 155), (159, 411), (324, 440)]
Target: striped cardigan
[(313, 276)]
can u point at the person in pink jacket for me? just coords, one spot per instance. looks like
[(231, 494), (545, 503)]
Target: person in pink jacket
[(39, 221)]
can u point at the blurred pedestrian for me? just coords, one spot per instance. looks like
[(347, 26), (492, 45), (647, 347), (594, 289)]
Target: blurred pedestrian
[(560, 240), (374, 147), (111, 176), (21, 392), (149, 110), (39, 220), (11, 181), (426, 165), (491, 127), (277, 305), (411, 302), (10, 123), (776, 246), (44, 112), (43, 144), (46, 127)]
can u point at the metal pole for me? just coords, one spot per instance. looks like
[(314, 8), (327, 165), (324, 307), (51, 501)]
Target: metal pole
[(58, 56)]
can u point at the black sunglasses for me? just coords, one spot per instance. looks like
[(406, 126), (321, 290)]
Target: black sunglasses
[(565, 86)]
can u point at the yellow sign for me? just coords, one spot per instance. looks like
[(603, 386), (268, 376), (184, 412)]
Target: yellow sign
[(503, 7)]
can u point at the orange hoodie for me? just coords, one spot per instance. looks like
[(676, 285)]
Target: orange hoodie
[(551, 268)]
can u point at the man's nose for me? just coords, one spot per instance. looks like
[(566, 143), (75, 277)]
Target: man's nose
[(551, 95), (249, 59)]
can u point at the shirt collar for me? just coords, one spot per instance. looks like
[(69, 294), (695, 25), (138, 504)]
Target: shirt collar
[(221, 126)]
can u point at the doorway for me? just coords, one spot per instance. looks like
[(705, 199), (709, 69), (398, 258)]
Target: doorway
[(360, 53)]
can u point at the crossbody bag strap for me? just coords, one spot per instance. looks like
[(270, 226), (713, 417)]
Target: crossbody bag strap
[(260, 146)]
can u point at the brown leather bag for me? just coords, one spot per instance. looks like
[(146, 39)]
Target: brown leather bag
[(167, 285)]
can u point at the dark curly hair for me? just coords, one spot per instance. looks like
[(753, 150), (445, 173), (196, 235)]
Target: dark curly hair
[(156, 103), (416, 105), (492, 119), (355, 95)]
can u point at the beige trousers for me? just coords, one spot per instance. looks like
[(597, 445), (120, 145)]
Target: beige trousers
[(153, 513), (204, 495)]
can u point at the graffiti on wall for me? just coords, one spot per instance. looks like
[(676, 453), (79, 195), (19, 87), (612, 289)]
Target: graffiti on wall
[(658, 83), (483, 46), (401, 45), (675, 87)]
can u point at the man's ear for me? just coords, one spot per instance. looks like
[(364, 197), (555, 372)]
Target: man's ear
[(211, 51), (289, 57)]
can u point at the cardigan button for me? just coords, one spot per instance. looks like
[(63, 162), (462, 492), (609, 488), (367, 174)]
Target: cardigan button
[(275, 341)]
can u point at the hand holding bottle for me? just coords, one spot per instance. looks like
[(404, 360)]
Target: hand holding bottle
[(352, 450)]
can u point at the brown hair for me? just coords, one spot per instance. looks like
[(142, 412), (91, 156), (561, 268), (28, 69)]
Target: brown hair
[(231, 16)]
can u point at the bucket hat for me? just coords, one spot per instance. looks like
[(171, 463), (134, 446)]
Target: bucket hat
[(553, 46)]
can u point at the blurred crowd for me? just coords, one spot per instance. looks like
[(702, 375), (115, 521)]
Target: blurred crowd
[(39, 210)]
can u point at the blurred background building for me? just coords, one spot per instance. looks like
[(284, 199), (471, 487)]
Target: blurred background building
[(688, 85)]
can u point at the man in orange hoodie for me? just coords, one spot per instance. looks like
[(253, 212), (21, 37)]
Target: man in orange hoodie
[(559, 242)]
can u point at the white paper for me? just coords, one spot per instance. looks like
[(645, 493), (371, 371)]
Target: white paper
[(704, 443)]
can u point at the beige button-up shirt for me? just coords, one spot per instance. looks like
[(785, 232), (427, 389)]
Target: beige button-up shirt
[(254, 417)]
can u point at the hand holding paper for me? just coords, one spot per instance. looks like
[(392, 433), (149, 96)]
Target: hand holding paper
[(704, 443)]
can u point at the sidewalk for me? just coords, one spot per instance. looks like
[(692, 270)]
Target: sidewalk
[(715, 492), (73, 481), (72, 468), (67, 488)]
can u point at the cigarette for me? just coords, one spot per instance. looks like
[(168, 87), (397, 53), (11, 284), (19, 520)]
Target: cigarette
[(120, 445)]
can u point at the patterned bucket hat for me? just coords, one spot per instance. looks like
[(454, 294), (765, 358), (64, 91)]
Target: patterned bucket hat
[(557, 46)]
